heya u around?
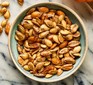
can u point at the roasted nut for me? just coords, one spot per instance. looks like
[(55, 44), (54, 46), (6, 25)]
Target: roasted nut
[(26, 67), (74, 28), (34, 56), (60, 56), (48, 68), (26, 44), (40, 71), (63, 51), (71, 54), (69, 60), (3, 10), (16, 37), (30, 32), (0, 12), (68, 27), (59, 72), (64, 24), (67, 67), (39, 65), (26, 49), (60, 13), (55, 38), (5, 4), (48, 42), (68, 21), (27, 24), (32, 39), (76, 54), (66, 55), (25, 62), (69, 37), (36, 29), (43, 34), (36, 14), (38, 58), (55, 49), (61, 39), (31, 10), (51, 14), (48, 75), (20, 60), (50, 37), (56, 19), (43, 46), (43, 28), (34, 45), (4, 22), (49, 23), (38, 55), (45, 53), (55, 61), (53, 72), (77, 34), (28, 17), (54, 54), (43, 9), (44, 16), (20, 2), (76, 49), (53, 30), (1, 29), (7, 14), (26, 33), (20, 35), (21, 28), (64, 44), (39, 74), (53, 46), (19, 48), (30, 65), (65, 32), (7, 28), (46, 63), (73, 43), (24, 56), (35, 22), (61, 17)]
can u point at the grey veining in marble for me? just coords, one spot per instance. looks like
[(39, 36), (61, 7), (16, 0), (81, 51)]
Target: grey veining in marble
[(9, 75)]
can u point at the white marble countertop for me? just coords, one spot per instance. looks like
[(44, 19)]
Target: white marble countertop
[(9, 74)]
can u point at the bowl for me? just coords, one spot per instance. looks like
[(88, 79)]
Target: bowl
[(74, 18)]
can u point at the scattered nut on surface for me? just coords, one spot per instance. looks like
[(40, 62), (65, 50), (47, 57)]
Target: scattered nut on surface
[(20, 2), (5, 4), (1, 29), (7, 28), (48, 42), (4, 22), (3, 10), (7, 14)]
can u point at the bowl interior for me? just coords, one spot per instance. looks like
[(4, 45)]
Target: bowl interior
[(13, 43)]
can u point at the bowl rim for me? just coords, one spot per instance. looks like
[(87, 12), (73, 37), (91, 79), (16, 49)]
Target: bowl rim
[(86, 37)]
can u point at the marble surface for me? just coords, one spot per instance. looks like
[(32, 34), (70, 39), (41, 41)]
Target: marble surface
[(9, 75)]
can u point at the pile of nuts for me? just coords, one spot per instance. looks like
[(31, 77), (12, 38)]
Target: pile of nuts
[(6, 13), (47, 42)]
